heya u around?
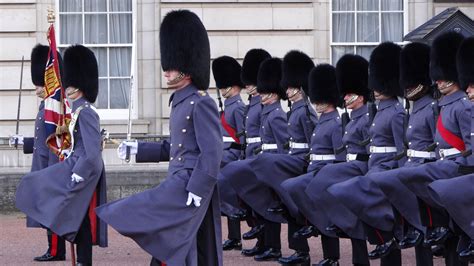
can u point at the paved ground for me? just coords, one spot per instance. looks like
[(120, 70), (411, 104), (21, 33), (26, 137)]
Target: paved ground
[(18, 245)]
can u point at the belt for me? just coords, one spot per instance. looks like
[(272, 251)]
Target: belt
[(295, 145), (357, 157), (322, 157), (253, 140), (448, 152), (266, 146), (421, 154), (227, 139), (375, 149)]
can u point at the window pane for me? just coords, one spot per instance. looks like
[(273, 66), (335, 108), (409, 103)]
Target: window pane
[(367, 27), (372, 5), (102, 98), (392, 27), (343, 27), (95, 5), (392, 5), (101, 56), (339, 51), (120, 5), (365, 51), (343, 5), (120, 62), (120, 28), (96, 29), (71, 29), (119, 93), (70, 5)]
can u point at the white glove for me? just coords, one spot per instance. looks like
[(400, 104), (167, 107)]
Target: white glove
[(76, 178), (122, 148), (193, 198), (18, 138), (66, 152)]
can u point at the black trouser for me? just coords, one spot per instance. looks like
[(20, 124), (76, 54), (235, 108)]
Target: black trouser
[(56, 245), (233, 226), (206, 240), (298, 244), (379, 237), (450, 252), (424, 256), (330, 247), (83, 241), (360, 255), (272, 235), (432, 217)]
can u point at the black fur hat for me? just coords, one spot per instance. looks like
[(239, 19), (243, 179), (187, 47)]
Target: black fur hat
[(352, 73), (226, 72), (269, 76), (465, 63), (251, 64), (443, 56), (415, 65), (39, 58), (295, 70), (384, 69), (81, 71), (322, 85), (184, 46)]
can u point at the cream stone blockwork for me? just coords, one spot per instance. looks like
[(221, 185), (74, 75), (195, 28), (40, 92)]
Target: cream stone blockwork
[(224, 45), (17, 1), (13, 48), (10, 76), (9, 104), (237, 18), (26, 127), (18, 19), (293, 18), (277, 45)]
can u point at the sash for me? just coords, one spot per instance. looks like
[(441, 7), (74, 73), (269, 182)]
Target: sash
[(231, 131), (449, 137)]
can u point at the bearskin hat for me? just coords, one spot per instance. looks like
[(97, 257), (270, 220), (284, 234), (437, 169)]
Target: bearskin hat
[(269, 77), (184, 46), (251, 64), (384, 69), (39, 59), (295, 70), (226, 72), (415, 65), (322, 85), (443, 56), (465, 63), (352, 75), (81, 71)]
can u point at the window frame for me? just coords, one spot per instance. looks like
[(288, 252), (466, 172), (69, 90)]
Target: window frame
[(109, 114), (356, 44)]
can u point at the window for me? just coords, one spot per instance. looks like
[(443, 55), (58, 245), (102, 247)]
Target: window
[(360, 25), (106, 27)]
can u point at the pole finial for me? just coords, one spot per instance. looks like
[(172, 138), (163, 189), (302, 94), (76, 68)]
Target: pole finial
[(51, 15)]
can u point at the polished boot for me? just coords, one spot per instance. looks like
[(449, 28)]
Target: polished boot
[(48, 257), (336, 230), (254, 232), (270, 254), (299, 258), (436, 236), (230, 244), (411, 239), (383, 250), (327, 262), (306, 232), (467, 254), (437, 251), (241, 215), (251, 252)]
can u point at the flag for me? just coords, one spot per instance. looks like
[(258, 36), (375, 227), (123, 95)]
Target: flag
[(57, 111)]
